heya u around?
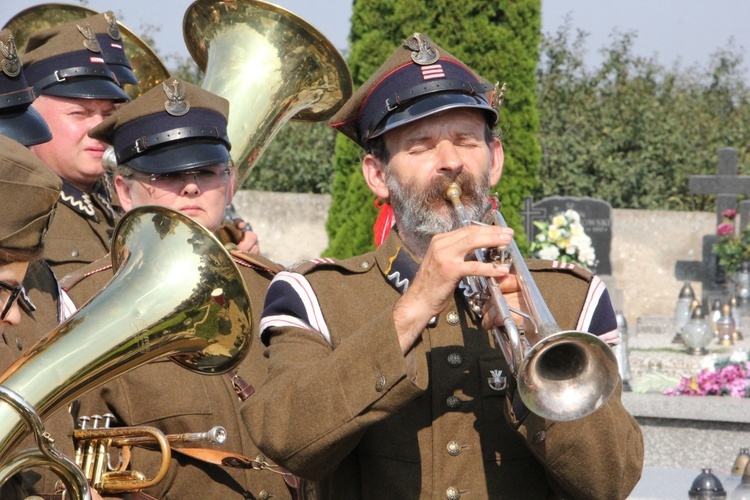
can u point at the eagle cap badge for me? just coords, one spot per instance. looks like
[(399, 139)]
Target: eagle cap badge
[(498, 381), (423, 53), (90, 41), (11, 64), (177, 104), (113, 30)]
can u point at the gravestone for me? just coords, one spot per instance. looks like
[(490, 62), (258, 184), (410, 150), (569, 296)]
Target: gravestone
[(727, 186), (596, 219)]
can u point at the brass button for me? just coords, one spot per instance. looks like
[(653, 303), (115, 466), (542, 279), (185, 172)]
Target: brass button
[(453, 318), (453, 402), (452, 493), (74, 253), (455, 359), (539, 437), (19, 343), (454, 448), (380, 383), (264, 495)]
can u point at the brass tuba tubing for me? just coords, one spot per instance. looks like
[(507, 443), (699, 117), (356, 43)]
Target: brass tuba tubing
[(560, 375)]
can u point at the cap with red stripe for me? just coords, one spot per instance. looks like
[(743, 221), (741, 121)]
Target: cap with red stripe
[(418, 80)]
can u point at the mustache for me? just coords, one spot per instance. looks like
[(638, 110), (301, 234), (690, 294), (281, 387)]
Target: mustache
[(435, 192)]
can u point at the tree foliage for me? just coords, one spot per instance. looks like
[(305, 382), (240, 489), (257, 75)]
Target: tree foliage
[(499, 40), (632, 131)]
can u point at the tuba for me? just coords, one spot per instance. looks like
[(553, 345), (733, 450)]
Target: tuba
[(269, 64), (176, 292), (146, 64), (560, 375)]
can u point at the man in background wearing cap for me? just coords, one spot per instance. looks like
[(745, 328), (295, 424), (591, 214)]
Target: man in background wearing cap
[(77, 91), (382, 381), (172, 149)]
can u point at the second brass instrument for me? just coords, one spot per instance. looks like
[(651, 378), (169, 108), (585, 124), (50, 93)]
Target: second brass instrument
[(560, 375)]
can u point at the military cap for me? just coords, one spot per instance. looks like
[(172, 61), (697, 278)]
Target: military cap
[(18, 120), (419, 79), (174, 126), (29, 190), (108, 34), (67, 61)]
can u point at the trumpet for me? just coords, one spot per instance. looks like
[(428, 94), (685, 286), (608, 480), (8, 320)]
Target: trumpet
[(93, 448), (560, 375)]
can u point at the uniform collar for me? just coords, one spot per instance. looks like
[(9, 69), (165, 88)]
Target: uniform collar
[(396, 263), (85, 204)]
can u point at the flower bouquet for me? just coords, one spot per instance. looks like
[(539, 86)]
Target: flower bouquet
[(565, 240), (718, 376), (733, 246)]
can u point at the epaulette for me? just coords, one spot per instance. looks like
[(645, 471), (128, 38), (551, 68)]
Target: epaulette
[(359, 264), (256, 261), (72, 279), (539, 265)]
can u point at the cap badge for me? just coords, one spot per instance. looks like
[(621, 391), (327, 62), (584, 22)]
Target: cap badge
[(11, 63), (177, 105), (498, 96), (113, 30), (423, 52), (91, 42), (497, 382)]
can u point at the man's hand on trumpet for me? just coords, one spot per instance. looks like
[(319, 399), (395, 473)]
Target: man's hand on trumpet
[(511, 290), (442, 267)]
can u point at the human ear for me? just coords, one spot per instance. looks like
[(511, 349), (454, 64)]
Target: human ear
[(496, 167), (374, 173), (123, 192)]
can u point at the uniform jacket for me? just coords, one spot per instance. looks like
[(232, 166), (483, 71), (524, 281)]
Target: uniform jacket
[(167, 396), (343, 407), (81, 230)]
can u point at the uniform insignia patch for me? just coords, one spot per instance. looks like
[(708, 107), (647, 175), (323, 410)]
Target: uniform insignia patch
[(423, 53), (498, 381), (11, 64), (177, 104)]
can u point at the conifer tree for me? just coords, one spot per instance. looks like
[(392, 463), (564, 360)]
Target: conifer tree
[(498, 40)]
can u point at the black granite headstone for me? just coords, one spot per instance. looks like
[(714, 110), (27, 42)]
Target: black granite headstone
[(596, 219)]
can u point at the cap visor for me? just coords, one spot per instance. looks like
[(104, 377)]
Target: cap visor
[(124, 74), (177, 157), (87, 88), (27, 127), (432, 104)]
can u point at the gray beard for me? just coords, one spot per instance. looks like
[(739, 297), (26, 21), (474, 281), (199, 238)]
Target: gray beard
[(422, 213)]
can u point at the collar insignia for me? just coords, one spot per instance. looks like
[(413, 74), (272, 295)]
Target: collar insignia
[(113, 30), (423, 53), (177, 105), (401, 271), (91, 42), (11, 64), (498, 381)]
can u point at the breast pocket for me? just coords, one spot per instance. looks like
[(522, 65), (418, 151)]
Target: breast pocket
[(162, 390)]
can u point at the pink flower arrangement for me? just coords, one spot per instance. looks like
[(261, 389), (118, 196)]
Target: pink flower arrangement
[(725, 378), (732, 248)]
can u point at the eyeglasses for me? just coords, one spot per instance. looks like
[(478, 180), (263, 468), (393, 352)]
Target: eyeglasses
[(9, 294), (205, 178)]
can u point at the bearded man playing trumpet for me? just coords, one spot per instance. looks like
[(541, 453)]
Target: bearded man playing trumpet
[(171, 149), (383, 381)]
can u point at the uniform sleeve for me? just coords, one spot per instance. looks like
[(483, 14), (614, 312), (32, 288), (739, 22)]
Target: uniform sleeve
[(322, 392), (597, 456)]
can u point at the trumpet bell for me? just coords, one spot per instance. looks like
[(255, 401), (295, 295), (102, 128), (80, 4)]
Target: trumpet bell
[(269, 64), (147, 66), (567, 375)]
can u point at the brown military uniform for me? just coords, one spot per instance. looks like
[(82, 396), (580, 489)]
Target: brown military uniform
[(165, 395), (81, 230), (343, 407)]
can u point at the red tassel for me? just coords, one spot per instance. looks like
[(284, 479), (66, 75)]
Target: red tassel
[(383, 223)]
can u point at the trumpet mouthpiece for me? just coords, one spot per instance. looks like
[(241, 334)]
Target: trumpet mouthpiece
[(453, 191)]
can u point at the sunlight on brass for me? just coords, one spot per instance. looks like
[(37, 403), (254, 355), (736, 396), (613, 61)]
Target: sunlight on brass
[(269, 64)]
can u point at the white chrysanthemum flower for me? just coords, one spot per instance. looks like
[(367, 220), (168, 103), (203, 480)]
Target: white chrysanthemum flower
[(587, 256), (573, 216), (708, 363), (576, 229), (559, 220), (549, 253), (553, 232), (738, 356)]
